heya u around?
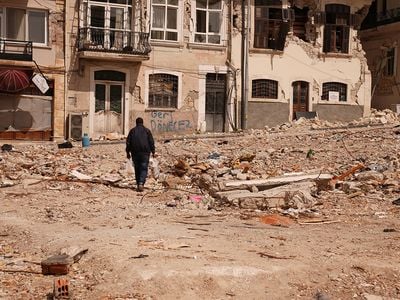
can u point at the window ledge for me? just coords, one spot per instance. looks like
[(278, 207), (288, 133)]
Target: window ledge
[(206, 46), (267, 100), (265, 51), (335, 102), (41, 46), (151, 109), (335, 55), (170, 44)]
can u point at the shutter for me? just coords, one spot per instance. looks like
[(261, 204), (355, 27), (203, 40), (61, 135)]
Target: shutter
[(283, 31), (327, 38)]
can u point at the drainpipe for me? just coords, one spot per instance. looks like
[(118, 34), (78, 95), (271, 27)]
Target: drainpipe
[(244, 65), (65, 69)]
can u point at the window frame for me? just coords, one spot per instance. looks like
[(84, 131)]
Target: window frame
[(271, 92), (390, 67), (27, 11), (277, 21), (164, 29), (338, 87), (208, 33), (337, 34), (147, 90)]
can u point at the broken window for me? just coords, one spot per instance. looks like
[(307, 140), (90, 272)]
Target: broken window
[(337, 28), (300, 21), (272, 24), (264, 88), (163, 91), (164, 20), (208, 21), (390, 62), (334, 91)]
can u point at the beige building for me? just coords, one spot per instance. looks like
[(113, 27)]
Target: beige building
[(381, 40), (182, 65), (178, 64), (32, 51)]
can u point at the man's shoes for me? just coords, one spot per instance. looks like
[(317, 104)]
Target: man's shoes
[(140, 188)]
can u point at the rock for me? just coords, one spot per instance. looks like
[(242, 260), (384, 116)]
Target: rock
[(57, 265), (370, 175)]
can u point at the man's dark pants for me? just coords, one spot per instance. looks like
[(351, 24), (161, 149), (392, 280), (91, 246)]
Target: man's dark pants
[(141, 165)]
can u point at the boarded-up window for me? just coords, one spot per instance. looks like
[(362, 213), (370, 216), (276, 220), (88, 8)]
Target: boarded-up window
[(334, 91), (163, 91), (264, 88), (337, 28)]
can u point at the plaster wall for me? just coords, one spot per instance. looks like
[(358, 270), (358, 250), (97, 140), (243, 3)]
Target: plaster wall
[(376, 41)]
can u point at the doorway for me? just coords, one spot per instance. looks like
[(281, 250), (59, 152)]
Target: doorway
[(108, 107), (300, 97), (215, 102)]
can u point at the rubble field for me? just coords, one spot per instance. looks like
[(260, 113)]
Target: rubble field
[(307, 210)]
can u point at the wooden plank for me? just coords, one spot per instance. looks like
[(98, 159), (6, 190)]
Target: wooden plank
[(276, 181)]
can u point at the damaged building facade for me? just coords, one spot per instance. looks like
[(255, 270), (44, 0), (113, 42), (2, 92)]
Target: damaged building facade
[(380, 36), (178, 64), (32, 70), (305, 56)]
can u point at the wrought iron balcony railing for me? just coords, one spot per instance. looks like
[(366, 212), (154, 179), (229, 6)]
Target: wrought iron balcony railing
[(113, 40), (15, 50)]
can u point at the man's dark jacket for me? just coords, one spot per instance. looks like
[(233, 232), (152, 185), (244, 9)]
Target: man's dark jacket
[(140, 140)]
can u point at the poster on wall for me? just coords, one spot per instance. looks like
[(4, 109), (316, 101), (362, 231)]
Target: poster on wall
[(40, 82), (333, 96)]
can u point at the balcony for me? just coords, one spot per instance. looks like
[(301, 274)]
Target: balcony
[(112, 44), (15, 50)]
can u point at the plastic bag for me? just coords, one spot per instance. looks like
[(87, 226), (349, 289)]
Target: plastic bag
[(129, 167), (154, 167)]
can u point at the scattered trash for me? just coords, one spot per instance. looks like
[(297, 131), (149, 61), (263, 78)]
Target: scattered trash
[(276, 220), (6, 147), (396, 202), (65, 145)]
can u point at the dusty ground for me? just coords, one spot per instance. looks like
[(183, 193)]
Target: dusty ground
[(159, 245)]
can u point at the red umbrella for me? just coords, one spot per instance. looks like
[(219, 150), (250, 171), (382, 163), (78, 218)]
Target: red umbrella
[(13, 80)]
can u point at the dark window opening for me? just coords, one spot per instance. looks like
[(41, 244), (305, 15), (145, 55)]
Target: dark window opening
[(390, 62), (337, 28), (163, 91), (264, 88), (108, 75), (334, 91), (271, 25), (299, 23)]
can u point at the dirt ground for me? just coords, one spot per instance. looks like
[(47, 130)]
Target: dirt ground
[(160, 244)]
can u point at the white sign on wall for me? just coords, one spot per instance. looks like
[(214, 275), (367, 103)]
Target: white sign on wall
[(40, 82), (333, 96)]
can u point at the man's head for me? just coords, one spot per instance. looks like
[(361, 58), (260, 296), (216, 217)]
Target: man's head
[(139, 121)]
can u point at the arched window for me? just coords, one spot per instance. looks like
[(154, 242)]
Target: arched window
[(264, 88), (334, 91), (163, 91)]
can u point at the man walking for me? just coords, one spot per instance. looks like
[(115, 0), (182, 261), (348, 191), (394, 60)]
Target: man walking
[(139, 145)]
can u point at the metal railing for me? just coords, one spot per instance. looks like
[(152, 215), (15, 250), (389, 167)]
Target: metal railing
[(113, 40), (15, 49)]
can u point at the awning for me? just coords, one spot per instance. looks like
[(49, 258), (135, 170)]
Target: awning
[(14, 80)]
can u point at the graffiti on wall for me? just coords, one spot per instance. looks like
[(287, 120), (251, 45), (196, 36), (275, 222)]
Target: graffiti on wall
[(166, 122)]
